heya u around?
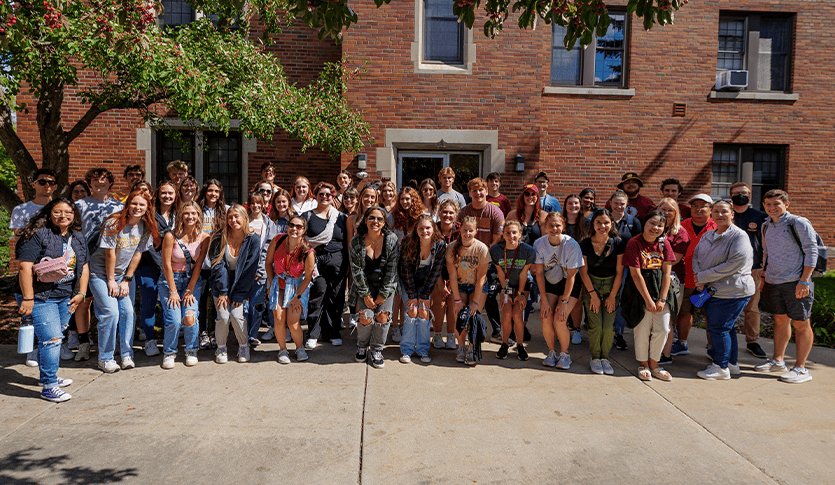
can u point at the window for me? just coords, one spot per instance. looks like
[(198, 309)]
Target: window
[(443, 34), (169, 148), (761, 166), (417, 166), (176, 13), (209, 156), (603, 65), (760, 44)]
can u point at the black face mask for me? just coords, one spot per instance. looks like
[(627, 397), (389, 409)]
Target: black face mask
[(740, 200)]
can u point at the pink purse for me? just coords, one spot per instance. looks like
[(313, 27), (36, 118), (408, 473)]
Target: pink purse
[(50, 270)]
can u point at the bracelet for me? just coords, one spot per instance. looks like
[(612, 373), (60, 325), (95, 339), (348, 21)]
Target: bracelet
[(32, 299), (83, 296), (564, 301), (805, 283), (592, 291), (457, 301), (662, 300)]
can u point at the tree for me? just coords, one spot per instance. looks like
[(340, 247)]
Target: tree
[(211, 71)]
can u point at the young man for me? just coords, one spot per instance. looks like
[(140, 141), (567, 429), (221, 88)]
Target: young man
[(133, 174), (639, 206), (696, 226), (672, 188), (446, 177), (177, 171), (489, 223), (790, 253), (549, 203), (494, 182), (44, 183), (751, 220)]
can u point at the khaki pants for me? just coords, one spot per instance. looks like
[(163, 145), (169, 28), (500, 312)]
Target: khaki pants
[(752, 311), (651, 334)]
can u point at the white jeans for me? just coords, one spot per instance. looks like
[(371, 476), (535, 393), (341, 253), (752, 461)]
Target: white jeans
[(236, 317), (651, 334)]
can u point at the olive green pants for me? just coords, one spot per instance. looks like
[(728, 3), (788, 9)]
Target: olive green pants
[(601, 323)]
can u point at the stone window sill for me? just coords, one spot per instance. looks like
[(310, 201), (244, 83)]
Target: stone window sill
[(755, 95), (584, 91)]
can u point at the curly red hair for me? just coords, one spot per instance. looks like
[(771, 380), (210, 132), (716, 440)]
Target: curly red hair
[(405, 220)]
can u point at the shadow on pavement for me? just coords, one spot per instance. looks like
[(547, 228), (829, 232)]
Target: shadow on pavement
[(26, 466)]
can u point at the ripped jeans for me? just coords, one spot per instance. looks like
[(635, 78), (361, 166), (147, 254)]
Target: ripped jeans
[(373, 335), (173, 318), (50, 318)]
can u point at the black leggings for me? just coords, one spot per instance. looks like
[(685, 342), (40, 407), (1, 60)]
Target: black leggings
[(327, 298)]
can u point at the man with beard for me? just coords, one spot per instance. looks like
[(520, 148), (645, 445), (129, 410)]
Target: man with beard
[(639, 206)]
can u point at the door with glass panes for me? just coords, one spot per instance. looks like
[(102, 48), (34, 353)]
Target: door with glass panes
[(414, 167)]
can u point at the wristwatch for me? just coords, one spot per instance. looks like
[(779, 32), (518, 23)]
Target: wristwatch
[(128, 278), (564, 301)]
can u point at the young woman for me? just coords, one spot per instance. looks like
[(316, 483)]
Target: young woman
[(422, 257), (575, 226), (349, 201), (265, 190), (443, 304), (628, 226), (150, 265), (290, 264), (513, 260), (601, 273), (368, 197), (125, 236), (429, 198), (326, 233), (558, 257), (680, 241), (373, 255), (266, 230), (234, 253), (54, 232), (343, 183), (78, 190), (188, 189), (388, 196), (529, 213), (587, 207), (280, 210), (467, 260), (649, 258), (402, 221), (214, 206), (722, 261), (302, 199), (183, 251)]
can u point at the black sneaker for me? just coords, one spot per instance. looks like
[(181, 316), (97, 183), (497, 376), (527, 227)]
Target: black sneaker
[(521, 352), (665, 359), (527, 335), (620, 342), (757, 351), (254, 342), (361, 355), (502, 353)]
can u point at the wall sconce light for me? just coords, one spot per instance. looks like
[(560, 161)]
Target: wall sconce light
[(362, 161), (520, 163)]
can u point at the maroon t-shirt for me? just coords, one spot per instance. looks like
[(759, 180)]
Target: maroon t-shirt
[(645, 255), (679, 243), (642, 205), (490, 221), (502, 202)]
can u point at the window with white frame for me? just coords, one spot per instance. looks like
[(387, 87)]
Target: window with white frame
[(443, 34), (603, 63), (761, 166), (760, 44)]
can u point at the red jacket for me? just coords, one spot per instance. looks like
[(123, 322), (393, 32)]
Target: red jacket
[(687, 224)]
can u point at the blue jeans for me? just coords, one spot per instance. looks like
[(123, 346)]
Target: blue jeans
[(148, 276), (115, 315), (255, 309), (50, 318), (416, 332), (720, 316), (172, 318)]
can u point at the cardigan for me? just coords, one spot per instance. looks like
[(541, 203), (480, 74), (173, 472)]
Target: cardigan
[(239, 288)]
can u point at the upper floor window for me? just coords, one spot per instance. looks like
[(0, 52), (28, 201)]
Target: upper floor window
[(760, 44), (761, 166), (603, 65), (443, 34), (175, 13)]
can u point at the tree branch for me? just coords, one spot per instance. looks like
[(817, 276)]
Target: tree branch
[(84, 122), (24, 163)]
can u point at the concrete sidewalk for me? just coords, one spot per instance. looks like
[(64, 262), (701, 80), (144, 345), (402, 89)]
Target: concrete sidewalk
[(332, 420)]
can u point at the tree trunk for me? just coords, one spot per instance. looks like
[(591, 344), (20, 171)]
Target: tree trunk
[(24, 163), (54, 141)]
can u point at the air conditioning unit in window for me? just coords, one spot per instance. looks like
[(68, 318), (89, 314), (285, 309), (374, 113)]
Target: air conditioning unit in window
[(731, 80)]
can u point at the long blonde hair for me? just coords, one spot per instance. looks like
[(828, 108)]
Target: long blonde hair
[(222, 233), (676, 225), (178, 224)]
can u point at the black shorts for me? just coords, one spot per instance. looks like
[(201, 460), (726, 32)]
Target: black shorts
[(686, 307), (781, 300), (559, 288)]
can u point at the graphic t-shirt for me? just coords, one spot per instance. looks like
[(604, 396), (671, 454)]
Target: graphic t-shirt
[(489, 221), (512, 261), (469, 260), (22, 214), (127, 242), (501, 201), (94, 212), (557, 259), (647, 255)]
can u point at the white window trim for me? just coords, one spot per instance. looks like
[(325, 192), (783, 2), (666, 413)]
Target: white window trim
[(417, 50)]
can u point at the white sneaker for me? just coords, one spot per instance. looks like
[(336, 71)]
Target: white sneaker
[(607, 367), (301, 355), (66, 353), (221, 357), (83, 352), (151, 348), (438, 341), (405, 358), (32, 358), (771, 366), (734, 369), (283, 356), (168, 361), (243, 354), (796, 376), (127, 362), (596, 366), (714, 372), (310, 344), (396, 335), (352, 323), (64, 382), (72, 339), (337, 342), (191, 358), (109, 366), (459, 355), (268, 335), (564, 361), (551, 360), (451, 343)]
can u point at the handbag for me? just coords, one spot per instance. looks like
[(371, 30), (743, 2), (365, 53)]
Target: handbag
[(50, 270)]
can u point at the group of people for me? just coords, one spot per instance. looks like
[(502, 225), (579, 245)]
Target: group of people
[(403, 262)]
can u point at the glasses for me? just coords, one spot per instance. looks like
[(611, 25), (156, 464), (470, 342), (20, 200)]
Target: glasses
[(325, 195), (43, 182), (375, 219), (530, 194), (264, 191), (290, 225)]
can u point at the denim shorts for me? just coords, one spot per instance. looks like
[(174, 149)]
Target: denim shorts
[(467, 288)]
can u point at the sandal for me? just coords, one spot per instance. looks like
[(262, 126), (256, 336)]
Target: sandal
[(644, 374), (661, 374)]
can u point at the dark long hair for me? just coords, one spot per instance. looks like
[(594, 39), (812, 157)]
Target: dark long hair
[(220, 205), (613, 231), (411, 243), (362, 227), (274, 212), (44, 219)]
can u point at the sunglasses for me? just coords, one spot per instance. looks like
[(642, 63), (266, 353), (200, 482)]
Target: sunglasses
[(290, 225), (531, 194), (325, 195), (375, 219), (43, 182), (264, 191)]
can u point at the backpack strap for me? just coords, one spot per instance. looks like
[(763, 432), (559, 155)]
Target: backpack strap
[(186, 253)]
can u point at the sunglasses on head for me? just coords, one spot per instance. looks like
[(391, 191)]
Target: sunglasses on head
[(43, 182)]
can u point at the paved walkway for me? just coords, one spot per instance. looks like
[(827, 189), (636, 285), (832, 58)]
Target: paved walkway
[(335, 421)]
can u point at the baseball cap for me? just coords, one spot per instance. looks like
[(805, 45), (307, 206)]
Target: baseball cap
[(702, 197)]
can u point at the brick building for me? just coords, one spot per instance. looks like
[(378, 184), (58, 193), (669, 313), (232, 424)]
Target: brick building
[(436, 94)]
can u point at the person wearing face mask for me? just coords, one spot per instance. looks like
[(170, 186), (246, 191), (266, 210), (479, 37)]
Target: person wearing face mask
[(751, 221)]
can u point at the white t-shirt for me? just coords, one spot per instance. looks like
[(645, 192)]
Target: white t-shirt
[(307, 205), (22, 214), (556, 259)]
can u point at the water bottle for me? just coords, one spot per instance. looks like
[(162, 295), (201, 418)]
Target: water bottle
[(25, 335)]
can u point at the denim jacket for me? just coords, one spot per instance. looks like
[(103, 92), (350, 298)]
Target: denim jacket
[(239, 288)]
